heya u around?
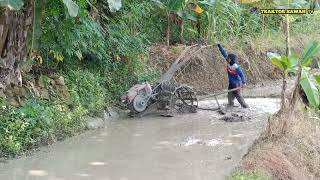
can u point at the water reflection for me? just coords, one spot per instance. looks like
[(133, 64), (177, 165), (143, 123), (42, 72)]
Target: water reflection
[(98, 163), (40, 173)]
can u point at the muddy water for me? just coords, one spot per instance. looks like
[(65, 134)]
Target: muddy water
[(190, 146)]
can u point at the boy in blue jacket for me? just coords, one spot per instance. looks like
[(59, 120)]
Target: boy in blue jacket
[(237, 78)]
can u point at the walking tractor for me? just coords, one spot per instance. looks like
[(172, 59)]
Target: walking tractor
[(166, 96)]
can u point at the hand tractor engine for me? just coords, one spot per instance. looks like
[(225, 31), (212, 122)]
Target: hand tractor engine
[(165, 97)]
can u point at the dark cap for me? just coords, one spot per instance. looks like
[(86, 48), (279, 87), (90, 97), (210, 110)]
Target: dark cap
[(233, 58)]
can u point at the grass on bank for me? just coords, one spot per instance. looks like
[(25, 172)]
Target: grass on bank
[(256, 175)]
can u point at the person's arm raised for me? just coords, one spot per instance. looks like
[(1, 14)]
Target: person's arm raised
[(223, 51)]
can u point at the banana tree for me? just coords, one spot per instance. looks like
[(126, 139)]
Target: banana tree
[(196, 7), (286, 64), (17, 19), (14, 26), (299, 64), (184, 16), (168, 7), (175, 8), (304, 77)]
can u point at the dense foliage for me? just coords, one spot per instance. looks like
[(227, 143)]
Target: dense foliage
[(38, 122)]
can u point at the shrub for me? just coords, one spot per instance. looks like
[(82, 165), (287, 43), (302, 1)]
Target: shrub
[(86, 89), (241, 175), (38, 122)]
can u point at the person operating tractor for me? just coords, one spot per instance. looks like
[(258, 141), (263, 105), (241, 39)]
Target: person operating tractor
[(237, 78)]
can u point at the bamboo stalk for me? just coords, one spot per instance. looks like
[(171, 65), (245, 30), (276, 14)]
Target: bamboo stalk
[(168, 29)]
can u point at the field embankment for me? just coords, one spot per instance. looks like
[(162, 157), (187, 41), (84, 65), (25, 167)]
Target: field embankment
[(206, 71)]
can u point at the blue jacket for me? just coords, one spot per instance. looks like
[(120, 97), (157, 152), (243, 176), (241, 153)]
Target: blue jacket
[(235, 73)]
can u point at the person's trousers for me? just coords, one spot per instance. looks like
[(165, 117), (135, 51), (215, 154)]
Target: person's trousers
[(236, 95)]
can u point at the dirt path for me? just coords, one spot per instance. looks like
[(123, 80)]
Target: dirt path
[(190, 146)]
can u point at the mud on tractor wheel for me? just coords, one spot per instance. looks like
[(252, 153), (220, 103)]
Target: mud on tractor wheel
[(166, 98), (166, 95), (186, 100)]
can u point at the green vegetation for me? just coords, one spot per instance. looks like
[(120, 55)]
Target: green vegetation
[(299, 65), (240, 175), (101, 50), (36, 123), (86, 90)]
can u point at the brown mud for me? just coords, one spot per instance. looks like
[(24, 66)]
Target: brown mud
[(188, 146)]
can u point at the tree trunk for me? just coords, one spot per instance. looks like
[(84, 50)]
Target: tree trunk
[(14, 27), (284, 78), (287, 35), (199, 28), (263, 18), (181, 32), (295, 93), (168, 29), (263, 23), (283, 92), (99, 11)]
